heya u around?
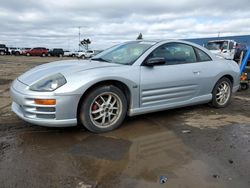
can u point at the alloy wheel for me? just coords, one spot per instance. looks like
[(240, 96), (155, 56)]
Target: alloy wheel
[(105, 110), (223, 93)]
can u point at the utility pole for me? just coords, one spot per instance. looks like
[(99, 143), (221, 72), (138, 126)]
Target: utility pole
[(218, 34), (79, 27)]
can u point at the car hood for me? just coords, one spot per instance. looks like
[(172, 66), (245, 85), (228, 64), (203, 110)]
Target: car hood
[(64, 67)]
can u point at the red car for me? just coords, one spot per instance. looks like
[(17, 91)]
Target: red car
[(37, 52)]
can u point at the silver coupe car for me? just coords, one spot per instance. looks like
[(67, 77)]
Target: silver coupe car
[(132, 78)]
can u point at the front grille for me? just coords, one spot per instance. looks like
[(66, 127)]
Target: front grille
[(46, 109)]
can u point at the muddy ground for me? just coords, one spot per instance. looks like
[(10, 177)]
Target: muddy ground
[(193, 147)]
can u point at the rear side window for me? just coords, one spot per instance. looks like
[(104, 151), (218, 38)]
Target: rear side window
[(202, 56)]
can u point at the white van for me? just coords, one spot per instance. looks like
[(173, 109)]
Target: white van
[(224, 48)]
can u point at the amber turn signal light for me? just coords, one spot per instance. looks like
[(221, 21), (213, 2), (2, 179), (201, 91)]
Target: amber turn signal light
[(45, 101)]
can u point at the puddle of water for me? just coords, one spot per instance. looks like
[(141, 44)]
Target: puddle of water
[(101, 148)]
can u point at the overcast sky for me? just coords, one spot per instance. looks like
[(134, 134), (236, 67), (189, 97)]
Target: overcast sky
[(54, 23)]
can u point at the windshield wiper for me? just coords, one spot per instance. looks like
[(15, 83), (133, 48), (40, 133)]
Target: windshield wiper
[(100, 59)]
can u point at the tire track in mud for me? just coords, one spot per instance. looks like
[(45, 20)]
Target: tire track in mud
[(5, 90), (3, 107), (5, 81)]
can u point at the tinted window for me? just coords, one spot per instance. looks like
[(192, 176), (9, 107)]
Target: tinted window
[(58, 50), (175, 53), (202, 56)]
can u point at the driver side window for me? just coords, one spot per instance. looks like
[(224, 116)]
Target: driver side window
[(175, 53)]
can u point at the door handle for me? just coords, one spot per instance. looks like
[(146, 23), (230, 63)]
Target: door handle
[(197, 72)]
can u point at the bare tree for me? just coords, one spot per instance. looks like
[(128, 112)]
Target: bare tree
[(85, 43)]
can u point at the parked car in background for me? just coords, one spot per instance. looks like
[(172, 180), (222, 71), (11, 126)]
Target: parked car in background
[(11, 49), (23, 50), (238, 50), (77, 54), (88, 54), (132, 78), (3, 49), (56, 52), (16, 51), (223, 48), (69, 53), (38, 51)]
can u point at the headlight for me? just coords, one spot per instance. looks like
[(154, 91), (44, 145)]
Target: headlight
[(49, 83)]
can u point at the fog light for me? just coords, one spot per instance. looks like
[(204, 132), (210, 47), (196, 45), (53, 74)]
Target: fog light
[(45, 101)]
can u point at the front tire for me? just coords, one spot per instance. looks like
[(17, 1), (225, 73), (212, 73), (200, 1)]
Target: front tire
[(103, 109), (222, 93)]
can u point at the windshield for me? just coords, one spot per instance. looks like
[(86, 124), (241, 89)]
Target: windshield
[(220, 45), (125, 54)]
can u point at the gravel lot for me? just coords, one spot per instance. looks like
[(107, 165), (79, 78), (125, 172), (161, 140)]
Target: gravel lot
[(193, 147)]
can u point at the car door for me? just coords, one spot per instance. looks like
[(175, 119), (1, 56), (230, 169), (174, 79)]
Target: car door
[(40, 51), (33, 51), (175, 82)]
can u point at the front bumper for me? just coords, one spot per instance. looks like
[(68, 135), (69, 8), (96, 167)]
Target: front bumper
[(63, 114)]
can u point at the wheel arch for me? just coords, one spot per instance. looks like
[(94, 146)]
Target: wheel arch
[(122, 86), (229, 77)]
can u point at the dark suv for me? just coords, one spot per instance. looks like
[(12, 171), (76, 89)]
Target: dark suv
[(3, 49), (56, 52), (39, 51), (238, 49)]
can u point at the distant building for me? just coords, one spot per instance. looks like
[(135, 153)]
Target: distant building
[(245, 39)]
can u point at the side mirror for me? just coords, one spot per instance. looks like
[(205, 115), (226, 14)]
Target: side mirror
[(155, 61)]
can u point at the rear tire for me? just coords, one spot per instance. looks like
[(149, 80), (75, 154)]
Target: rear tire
[(222, 93), (103, 109)]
